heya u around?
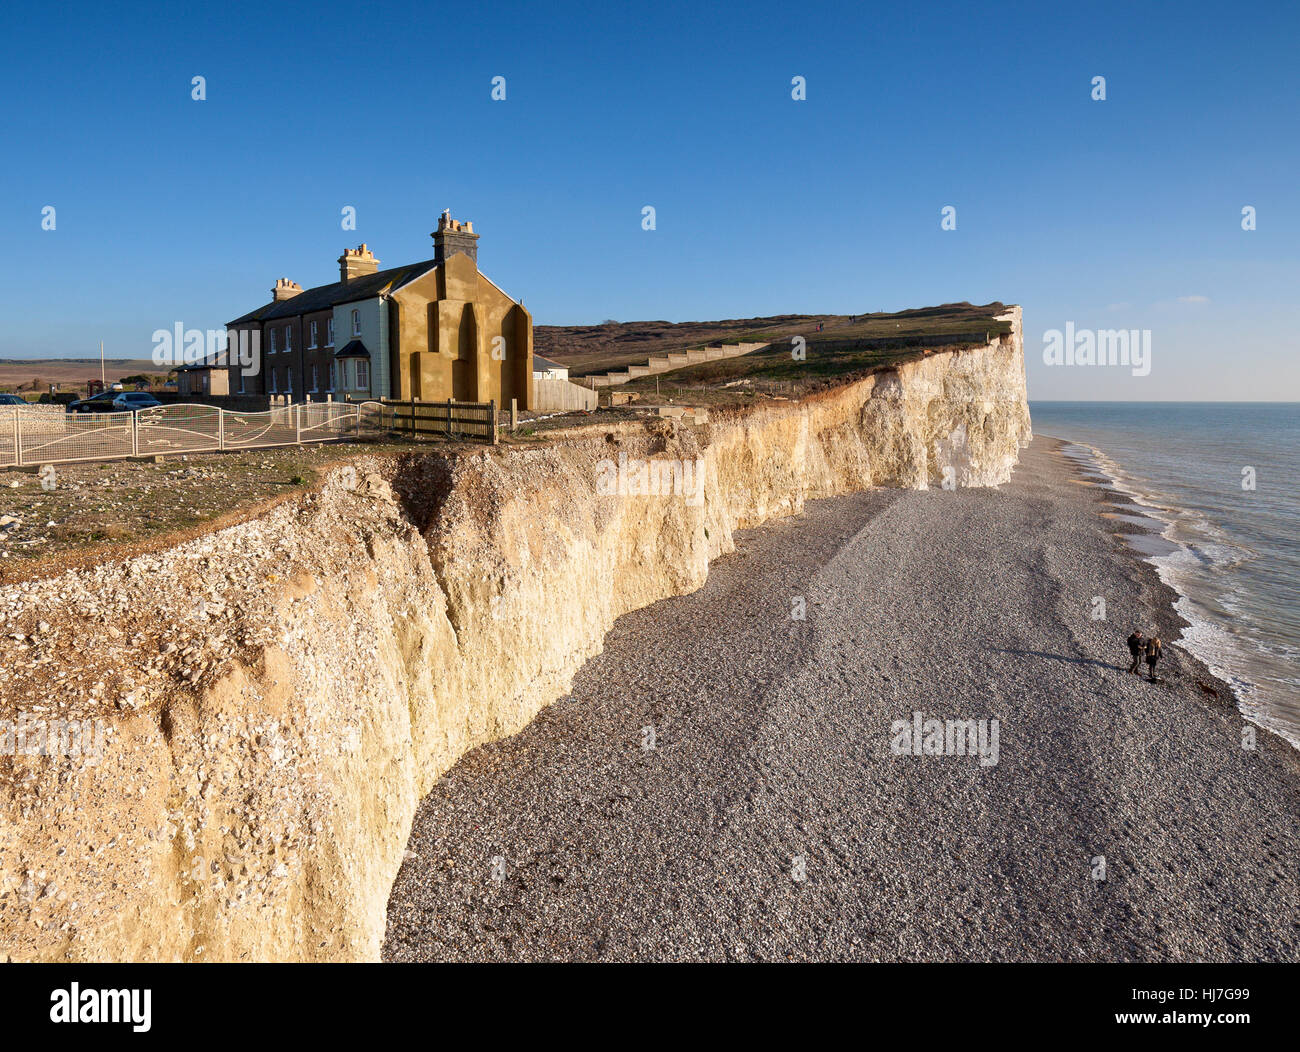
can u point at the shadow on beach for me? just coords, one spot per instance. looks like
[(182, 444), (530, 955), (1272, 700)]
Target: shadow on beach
[(1158, 681), (1061, 657)]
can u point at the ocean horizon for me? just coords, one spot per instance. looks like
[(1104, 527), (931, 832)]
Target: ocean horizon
[(1217, 480)]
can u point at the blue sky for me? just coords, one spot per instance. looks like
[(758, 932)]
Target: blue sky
[(1117, 214)]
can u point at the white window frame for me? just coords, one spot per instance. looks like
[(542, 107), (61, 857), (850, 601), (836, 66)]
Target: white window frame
[(356, 323), (329, 331), (312, 346), (288, 338), (315, 378), (333, 375), (271, 349), (272, 388), (360, 385)]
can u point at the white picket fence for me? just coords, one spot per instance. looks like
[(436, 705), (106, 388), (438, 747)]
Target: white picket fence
[(34, 438)]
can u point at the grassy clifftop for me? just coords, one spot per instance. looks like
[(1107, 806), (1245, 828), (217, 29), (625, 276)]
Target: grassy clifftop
[(848, 345)]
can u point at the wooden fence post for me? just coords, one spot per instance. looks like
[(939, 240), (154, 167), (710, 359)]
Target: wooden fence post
[(135, 432), (221, 428), (514, 414), (492, 418)]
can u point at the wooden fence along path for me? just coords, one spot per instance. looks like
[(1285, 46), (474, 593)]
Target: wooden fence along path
[(452, 419), (30, 437), (562, 396)]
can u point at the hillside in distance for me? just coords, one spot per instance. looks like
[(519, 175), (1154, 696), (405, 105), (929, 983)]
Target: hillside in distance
[(69, 373), (615, 345)]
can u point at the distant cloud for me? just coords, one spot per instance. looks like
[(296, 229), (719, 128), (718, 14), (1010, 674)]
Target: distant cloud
[(1193, 299), (1118, 306)]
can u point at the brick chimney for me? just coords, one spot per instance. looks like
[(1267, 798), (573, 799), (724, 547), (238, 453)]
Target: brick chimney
[(453, 236), (355, 262), (285, 289)]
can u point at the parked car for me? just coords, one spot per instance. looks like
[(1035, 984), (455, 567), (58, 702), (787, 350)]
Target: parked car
[(12, 399), (100, 403), (58, 398), (114, 402), (128, 400)]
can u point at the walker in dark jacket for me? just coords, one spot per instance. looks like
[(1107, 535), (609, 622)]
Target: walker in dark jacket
[(1136, 645)]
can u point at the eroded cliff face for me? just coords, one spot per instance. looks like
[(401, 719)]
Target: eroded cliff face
[(276, 697)]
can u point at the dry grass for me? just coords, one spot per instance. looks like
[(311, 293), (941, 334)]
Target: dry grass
[(844, 351), (132, 505), (69, 374)]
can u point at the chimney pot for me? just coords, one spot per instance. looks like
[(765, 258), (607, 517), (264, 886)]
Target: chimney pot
[(357, 261), (285, 289), (453, 236)]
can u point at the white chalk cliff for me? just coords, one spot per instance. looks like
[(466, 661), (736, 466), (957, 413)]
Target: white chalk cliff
[(259, 780)]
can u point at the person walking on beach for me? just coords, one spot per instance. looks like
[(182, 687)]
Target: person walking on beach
[(1153, 655), (1136, 645)]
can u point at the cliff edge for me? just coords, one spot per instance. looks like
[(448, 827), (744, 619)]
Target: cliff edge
[(258, 711)]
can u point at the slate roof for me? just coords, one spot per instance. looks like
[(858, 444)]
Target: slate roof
[(324, 297), (355, 349), (541, 365), (216, 361)]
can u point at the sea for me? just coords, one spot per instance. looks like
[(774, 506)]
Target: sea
[(1220, 482)]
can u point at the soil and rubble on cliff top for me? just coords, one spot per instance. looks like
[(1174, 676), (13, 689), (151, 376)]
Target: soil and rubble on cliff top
[(117, 508)]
